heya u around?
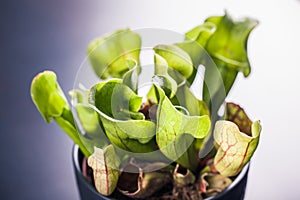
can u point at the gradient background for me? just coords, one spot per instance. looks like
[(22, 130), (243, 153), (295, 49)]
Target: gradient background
[(35, 157)]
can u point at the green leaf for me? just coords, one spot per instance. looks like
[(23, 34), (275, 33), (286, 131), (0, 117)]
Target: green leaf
[(130, 135), (130, 78), (91, 124), (184, 97), (177, 132), (228, 48), (94, 134), (229, 41), (48, 96), (67, 124), (201, 33), (105, 164), (196, 53), (108, 55), (176, 58), (235, 147), (117, 105), (195, 42), (88, 118), (52, 104), (116, 100), (162, 77)]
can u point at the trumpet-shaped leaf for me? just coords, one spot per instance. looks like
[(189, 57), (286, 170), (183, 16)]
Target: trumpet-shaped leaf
[(235, 147), (162, 77), (130, 78), (201, 33), (177, 132), (105, 164), (184, 97), (176, 88), (116, 100), (176, 58), (108, 55), (52, 104), (44, 92), (117, 106), (229, 41), (194, 44), (228, 48), (91, 124), (131, 135)]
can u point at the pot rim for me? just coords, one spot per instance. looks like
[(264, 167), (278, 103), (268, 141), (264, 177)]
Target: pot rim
[(75, 151)]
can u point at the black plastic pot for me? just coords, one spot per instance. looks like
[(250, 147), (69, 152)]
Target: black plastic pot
[(236, 191)]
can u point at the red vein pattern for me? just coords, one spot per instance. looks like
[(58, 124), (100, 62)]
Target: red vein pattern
[(235, 148)]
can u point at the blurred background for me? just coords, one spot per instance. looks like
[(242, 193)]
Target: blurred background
[(36, 35)]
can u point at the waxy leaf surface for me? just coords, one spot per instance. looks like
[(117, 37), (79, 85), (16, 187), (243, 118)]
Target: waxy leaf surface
[(235, 148), (228, 48), (162, 77), (91, 124), (105, 164), (108, 55), (176, 58), (229, 42), (177, 132), (48, 96), (116, 100), (117, 106), (130, 78), (52, 104), (131, 135), (176, 88), (194, 44), (184, 97)]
